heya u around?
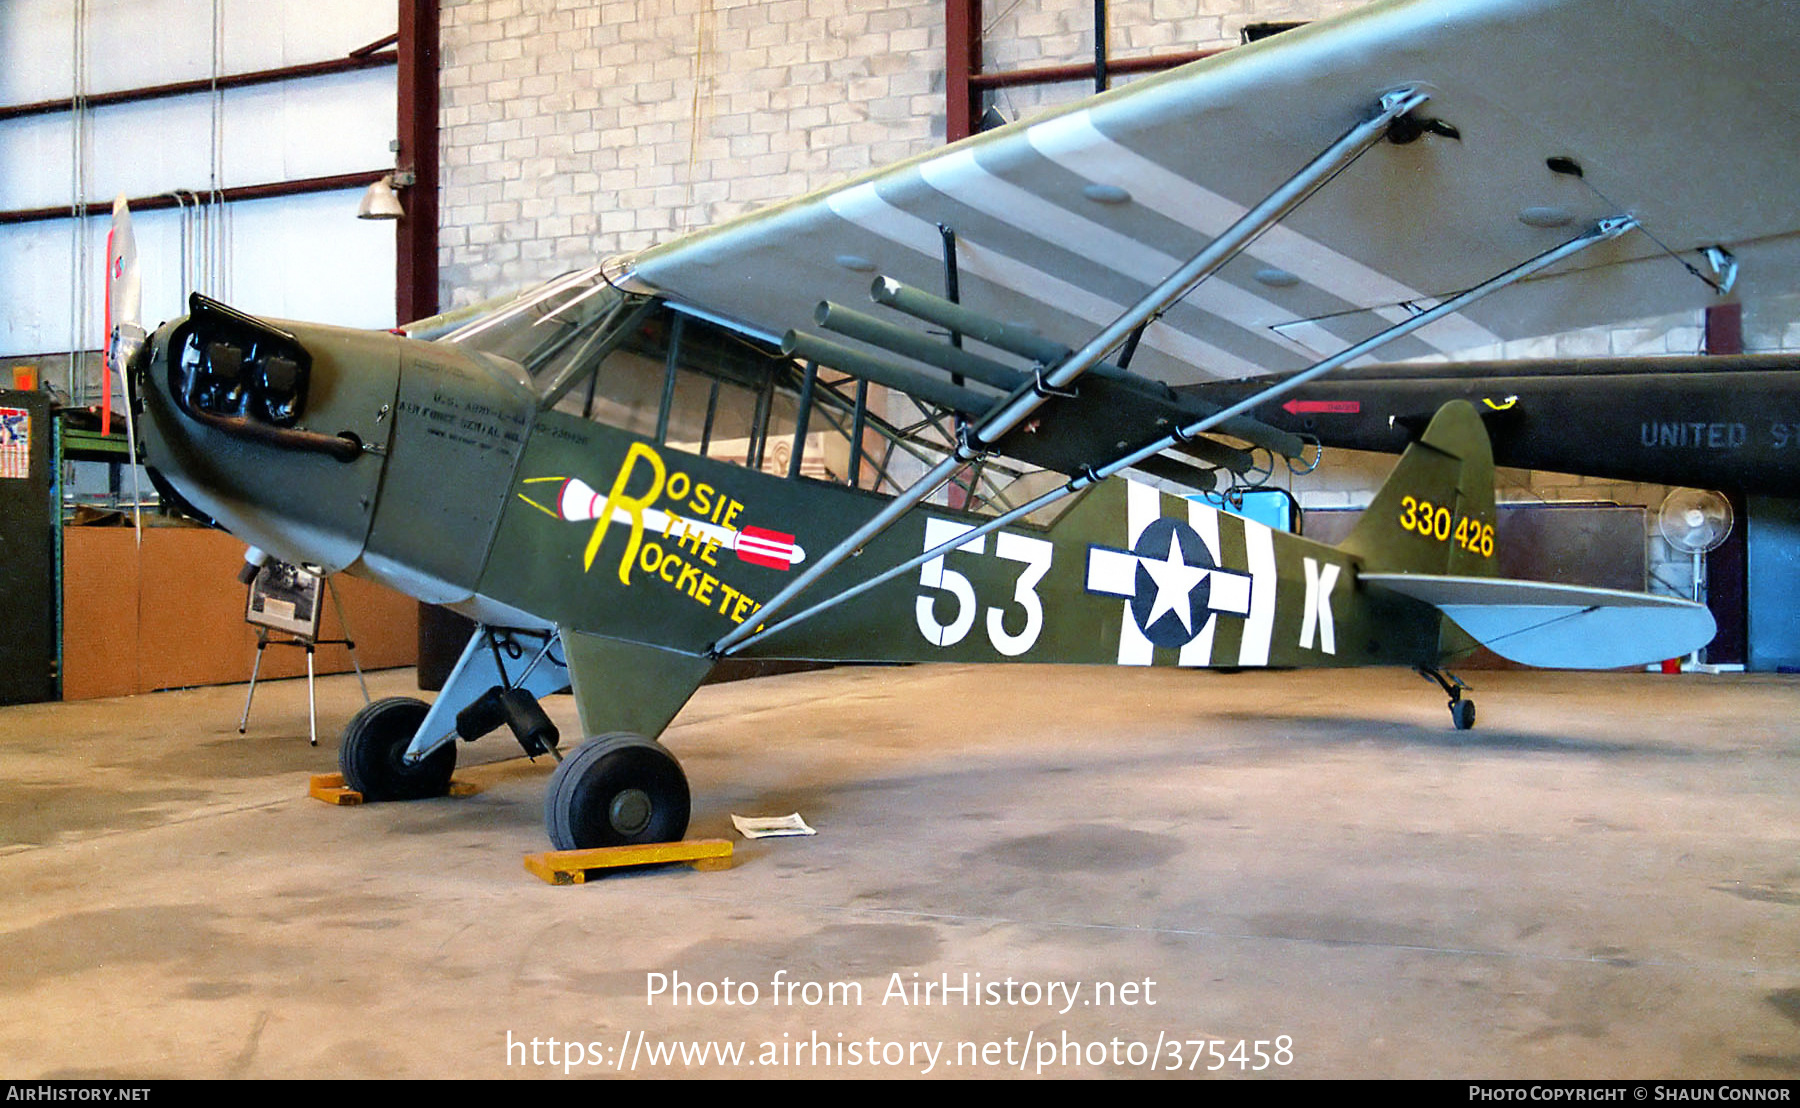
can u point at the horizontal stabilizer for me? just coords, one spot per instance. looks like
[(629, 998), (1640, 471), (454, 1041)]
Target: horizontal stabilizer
[(1560, 626)]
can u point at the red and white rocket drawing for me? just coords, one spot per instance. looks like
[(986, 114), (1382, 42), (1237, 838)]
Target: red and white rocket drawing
[(578, 503)]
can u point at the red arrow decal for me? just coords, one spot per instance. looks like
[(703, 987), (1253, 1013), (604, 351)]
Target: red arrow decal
[(1338, 407)]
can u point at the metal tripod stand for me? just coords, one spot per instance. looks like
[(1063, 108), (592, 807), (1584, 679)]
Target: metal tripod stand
[(263, 642)]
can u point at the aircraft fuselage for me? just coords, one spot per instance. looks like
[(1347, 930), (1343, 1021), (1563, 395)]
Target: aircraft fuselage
[(1725, 422)]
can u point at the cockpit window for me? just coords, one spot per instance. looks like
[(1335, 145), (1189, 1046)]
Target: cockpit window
[(653, 369)]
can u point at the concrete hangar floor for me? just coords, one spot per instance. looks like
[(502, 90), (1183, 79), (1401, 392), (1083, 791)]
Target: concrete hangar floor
[(1020, 871)]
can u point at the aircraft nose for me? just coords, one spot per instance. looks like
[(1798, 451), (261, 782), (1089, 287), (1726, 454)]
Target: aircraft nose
[(276, 430), (251, 380)]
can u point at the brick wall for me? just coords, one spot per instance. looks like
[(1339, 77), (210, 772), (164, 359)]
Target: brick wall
[(580, 129)]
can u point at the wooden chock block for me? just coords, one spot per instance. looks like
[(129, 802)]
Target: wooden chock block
[(570, 867), (330, 788)]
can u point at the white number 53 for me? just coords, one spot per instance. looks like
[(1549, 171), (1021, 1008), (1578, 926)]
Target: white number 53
[(1035, 554)]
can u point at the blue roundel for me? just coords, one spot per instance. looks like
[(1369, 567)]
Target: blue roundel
[(1168, 630)]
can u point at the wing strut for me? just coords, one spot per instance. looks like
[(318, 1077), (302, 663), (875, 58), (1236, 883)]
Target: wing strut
[(1018, 407), (1605, 230)]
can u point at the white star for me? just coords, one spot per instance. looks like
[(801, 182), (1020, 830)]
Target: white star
[(1175, 581)]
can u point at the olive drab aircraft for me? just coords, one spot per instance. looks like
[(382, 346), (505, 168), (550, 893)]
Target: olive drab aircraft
[(933, 414)]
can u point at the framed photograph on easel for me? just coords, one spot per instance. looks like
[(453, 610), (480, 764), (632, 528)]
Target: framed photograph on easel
[(289, 599), (285, 597)]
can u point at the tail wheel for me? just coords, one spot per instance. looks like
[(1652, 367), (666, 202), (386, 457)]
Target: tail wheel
[(617, 790), (371, 753)]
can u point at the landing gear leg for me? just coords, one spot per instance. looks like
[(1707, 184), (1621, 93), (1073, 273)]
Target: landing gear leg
[(616, 790), (1462, 712)]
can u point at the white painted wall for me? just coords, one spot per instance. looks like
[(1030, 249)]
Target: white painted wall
[(133, 43), (305, 257), (315, 127)]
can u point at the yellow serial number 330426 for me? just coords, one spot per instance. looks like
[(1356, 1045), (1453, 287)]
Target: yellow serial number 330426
[(1436, 522)]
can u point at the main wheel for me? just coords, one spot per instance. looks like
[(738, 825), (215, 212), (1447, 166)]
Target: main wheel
[(1462, 714), (370, 754), (617, 790)]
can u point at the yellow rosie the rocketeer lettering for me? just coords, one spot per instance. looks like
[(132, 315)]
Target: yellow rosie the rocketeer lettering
[(700, 499), (633, 505), (654, 558), (696, 583)]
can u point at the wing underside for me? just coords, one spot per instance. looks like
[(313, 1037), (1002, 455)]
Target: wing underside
[(1681, 115)]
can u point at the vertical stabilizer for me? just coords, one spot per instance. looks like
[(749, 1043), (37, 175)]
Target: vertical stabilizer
[(1435, 513)]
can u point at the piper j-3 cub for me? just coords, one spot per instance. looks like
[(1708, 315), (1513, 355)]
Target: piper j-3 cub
[(634, 471)]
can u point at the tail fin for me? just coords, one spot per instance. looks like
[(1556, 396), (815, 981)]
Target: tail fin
[(1435, 513), (1429, 535)]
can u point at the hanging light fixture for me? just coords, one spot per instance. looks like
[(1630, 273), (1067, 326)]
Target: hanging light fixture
[(379, 200)]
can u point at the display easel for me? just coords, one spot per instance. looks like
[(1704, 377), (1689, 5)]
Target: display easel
[(284, 600)]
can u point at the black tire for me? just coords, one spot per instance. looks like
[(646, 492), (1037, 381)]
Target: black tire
[(373, 742), (616, 790), (1462, 714)]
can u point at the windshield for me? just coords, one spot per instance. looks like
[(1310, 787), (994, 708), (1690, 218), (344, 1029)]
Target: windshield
[(546, 328)]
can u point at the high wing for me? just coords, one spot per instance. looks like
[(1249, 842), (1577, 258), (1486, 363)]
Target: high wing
[(1544, 117)]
